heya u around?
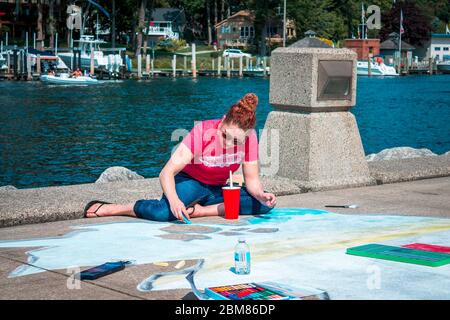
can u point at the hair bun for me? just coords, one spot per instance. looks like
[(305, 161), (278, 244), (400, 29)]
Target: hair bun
[(248, 102)]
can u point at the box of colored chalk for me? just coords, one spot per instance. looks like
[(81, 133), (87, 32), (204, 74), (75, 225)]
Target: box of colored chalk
[(246, 291)]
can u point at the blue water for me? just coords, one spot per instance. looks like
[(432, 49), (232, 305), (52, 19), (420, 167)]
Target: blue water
[(52, 135)]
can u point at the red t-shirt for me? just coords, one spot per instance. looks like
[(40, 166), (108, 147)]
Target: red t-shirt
[(212, 163)]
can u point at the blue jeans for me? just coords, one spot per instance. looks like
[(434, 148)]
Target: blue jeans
[(190, 190)]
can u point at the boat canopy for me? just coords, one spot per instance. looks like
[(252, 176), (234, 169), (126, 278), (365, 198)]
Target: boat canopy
[(44, 55)]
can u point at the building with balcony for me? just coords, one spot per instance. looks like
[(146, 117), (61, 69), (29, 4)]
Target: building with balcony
[(238, 30), (166, 23), (439, 48), (20, 16)]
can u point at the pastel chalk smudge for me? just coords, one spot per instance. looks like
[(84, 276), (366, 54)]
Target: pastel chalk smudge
[(183, 237), (231, 233), (305, 238), (180, 264), (189, 229), (264, 230)]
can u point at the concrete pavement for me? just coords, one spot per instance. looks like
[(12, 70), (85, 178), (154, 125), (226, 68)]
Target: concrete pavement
[(423, 198), (37, 205)]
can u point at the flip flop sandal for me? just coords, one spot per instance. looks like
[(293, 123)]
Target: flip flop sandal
[(90, 204), (192, 205)]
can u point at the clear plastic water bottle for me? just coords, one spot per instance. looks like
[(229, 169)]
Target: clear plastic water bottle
[(242, 257)]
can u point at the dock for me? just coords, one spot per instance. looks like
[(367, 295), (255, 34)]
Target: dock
[(188, 73)]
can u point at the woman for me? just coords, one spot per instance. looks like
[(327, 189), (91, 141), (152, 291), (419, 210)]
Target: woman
[(193, 178)]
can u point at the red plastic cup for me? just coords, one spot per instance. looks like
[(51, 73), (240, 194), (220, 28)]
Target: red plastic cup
[(231, 200)]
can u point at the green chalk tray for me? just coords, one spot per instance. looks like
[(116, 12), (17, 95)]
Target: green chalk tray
[(378, 251)]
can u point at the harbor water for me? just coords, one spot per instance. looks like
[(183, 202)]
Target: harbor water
[(61, 135)]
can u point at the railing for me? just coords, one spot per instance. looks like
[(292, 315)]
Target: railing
[(237, 42), (161, 31)]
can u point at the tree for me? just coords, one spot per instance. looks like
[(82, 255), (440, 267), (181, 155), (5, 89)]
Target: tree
[(195, 17), (140, 27), (348, 10), (320, 16), (51, 22), (416, 24), (265, 13), (208, 20), (40, 26), (113, 24)]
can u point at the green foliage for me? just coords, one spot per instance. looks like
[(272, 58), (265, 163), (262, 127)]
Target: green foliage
[(318, 15), (331, 19), (3, 30), (416, 23), (215, 54), (171, 45)]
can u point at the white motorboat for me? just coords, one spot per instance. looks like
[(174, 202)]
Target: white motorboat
[(64, 78), (110, 63), (3, 65), (3, 62), (376, 69), (443, 66), (49, 58)]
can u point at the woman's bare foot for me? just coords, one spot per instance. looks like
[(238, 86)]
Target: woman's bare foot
[(213, 210), (195, 212)]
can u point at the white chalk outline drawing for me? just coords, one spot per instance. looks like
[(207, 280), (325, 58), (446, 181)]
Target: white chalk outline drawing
[(306, 248)]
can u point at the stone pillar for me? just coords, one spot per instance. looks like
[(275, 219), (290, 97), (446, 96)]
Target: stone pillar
[(319, 146)]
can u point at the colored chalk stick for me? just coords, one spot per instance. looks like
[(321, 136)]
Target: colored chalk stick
[(428, 247), (399, 254), (186, 220), (161, 264)]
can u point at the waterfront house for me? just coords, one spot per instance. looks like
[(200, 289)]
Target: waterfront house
[(389, 50), (167, 23), (364, 47), (439, 48), (20, 16), (238, 30)]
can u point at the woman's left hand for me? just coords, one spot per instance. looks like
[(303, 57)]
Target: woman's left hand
[(269, 199)]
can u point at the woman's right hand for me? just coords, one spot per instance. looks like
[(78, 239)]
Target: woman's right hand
[(178, 208)]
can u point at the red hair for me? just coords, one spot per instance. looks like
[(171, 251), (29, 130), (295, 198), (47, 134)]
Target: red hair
[(243, 112)]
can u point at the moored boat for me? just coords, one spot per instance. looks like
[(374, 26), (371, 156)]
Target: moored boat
[(376, 69), (443, 66), (87, 44), (66, 79)]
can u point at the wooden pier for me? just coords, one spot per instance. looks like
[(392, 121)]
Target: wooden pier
[(20, 68), (170, 73)]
